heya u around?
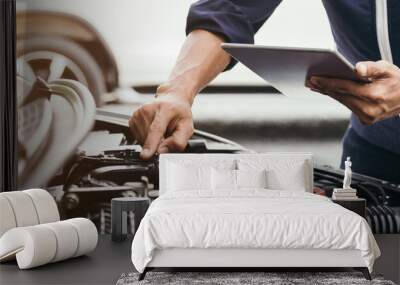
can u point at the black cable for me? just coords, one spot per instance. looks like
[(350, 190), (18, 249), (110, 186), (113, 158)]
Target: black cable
[(396, 211), (383, 220), (368, 217), (368, 192), (389, 220), (376, 219), (393, 214), (374, 186)]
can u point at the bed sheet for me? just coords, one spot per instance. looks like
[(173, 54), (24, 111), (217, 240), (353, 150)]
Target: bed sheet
[(252, 218)]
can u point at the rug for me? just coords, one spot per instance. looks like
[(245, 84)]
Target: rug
[(243, 278)]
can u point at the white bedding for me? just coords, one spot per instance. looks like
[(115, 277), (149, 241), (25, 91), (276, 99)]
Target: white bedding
[(250, 219)]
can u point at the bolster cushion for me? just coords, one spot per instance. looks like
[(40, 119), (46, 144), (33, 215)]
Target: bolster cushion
[(26, 208), (33, 246)]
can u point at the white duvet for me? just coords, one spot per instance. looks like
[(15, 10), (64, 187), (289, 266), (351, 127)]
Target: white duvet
[(250, 219)]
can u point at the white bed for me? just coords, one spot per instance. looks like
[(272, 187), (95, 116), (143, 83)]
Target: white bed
[(197, 224)]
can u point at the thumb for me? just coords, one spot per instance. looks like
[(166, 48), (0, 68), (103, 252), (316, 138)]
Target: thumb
[(372, 69)]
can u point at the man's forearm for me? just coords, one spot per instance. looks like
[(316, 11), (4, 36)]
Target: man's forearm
[(200, 60), (166, 124)]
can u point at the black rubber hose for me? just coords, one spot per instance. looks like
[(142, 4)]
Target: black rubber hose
[(390, 219), (369, 218), (383, 220), (375, 217)]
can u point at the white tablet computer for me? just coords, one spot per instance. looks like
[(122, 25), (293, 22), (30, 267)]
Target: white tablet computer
[(288, 68)]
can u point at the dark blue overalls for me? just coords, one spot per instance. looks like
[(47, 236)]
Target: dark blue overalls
[(362, 29)]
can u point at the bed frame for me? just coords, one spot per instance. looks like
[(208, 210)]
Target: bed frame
[(242, 259)]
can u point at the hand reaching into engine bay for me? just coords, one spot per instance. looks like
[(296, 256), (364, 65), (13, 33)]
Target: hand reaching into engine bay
[(164, 125), (371, 102)]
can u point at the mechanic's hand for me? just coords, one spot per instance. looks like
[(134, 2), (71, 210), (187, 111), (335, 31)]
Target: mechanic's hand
[(371, 102), (164, 125)]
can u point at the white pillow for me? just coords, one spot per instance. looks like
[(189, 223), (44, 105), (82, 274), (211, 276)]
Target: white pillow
[(293, 179), (251, 178), (223, 179), (226, 179), (183, 177), (282, 174)]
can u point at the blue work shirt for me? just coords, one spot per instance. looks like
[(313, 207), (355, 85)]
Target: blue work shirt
[(353, 24)]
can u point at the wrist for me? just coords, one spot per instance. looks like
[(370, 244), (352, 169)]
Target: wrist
[(179, 89)]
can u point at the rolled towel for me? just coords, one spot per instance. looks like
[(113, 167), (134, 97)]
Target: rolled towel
[(37, 245)]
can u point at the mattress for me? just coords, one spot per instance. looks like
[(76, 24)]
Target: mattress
[(251, 219)]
